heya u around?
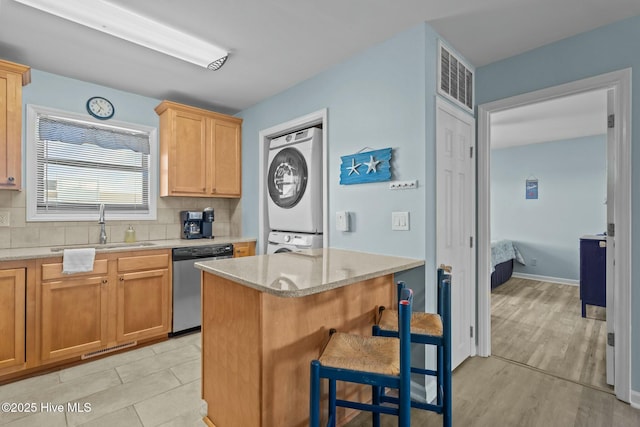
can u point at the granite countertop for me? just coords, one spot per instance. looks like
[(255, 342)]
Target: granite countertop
[(296, 274), (48, 251)]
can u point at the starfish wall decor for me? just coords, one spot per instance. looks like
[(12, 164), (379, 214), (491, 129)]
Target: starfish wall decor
[(363, 167)]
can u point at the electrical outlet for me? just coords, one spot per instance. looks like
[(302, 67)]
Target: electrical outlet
[(4, 219), (534, 262)]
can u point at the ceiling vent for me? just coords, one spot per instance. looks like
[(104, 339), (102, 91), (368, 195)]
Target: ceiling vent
[(455, 79)]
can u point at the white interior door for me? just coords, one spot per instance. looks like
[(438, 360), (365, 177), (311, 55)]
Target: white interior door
[(610, 278), (455, 176)]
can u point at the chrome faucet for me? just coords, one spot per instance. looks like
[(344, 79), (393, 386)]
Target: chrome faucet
[(103, 233)]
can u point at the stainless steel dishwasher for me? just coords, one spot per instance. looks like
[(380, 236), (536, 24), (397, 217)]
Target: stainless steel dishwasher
[(186, 283)]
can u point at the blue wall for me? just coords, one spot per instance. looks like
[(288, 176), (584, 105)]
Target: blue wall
[(572, 179), (610, 48), (375, 99), (63, 93)]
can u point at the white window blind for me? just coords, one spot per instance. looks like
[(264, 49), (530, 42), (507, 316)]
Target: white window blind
[(80, 164)]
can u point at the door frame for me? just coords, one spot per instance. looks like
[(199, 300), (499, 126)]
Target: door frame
[(458, 113), (620, 83), (264, 138)]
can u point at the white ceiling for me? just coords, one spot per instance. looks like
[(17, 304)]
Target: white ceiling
[(564, 118), (276, 44)]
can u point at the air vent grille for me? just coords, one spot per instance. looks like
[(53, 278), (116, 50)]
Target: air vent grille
[(456, 79), (108, 350)]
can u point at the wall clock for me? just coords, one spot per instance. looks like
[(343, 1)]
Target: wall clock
[(100, 108)]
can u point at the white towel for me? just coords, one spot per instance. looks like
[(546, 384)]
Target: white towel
[(78, 260)]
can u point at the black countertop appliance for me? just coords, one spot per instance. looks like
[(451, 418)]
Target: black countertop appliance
[(207, 223), (191, 224)]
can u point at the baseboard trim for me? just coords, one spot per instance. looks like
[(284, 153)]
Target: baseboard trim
[(558, 280), (634, 399), (431, 389)]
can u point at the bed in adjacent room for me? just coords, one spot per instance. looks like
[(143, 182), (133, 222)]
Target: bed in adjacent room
[(503, 253)]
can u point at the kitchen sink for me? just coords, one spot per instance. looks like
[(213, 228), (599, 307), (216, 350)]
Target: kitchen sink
[(105, 246)]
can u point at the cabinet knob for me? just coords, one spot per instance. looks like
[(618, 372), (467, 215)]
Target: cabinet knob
[(11, 179), (121, 279), (104, 281)]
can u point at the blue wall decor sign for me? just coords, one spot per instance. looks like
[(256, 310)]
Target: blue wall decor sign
[(532, 189), (369, 166)]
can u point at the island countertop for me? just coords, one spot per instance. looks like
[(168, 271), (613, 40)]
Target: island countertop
[(297, 274)]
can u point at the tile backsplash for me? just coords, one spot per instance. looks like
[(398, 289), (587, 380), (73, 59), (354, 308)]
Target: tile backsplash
[(21, 234)]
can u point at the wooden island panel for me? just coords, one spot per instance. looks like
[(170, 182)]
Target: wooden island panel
[(257, 347)]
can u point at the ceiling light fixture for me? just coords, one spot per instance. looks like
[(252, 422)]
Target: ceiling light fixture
[(119, 22)]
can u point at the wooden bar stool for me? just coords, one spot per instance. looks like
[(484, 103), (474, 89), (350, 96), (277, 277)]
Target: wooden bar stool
[(428, 329), (375, 361)]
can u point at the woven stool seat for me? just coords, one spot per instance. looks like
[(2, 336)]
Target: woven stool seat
[(362, 353), (421, 323), (429, 329), (376, 362)]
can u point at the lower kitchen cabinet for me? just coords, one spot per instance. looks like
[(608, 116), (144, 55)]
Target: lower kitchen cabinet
[(125, 299), (144, 297), (244, 249), (74, 311), (74, 316), (12, 318), (143, 305)]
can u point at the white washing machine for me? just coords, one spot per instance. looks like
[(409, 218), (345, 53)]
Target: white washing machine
[(291, 242), (294, 182)]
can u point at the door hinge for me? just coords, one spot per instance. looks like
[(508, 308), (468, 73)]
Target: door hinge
[(471, 331), (611, 229), (471, 152), (471, 242), (611, 339), (611, 121)]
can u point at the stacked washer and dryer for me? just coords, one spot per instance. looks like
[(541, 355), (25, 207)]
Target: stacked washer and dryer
[(294, 184)]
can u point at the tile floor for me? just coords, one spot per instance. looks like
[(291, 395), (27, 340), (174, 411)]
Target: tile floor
[(158, 385)]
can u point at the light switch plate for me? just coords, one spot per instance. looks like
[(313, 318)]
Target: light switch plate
[(5, 220), (400, 221)]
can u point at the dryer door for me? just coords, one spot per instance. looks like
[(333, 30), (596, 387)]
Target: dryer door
[(287, 178)]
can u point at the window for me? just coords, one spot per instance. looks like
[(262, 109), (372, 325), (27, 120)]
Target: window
[(75, 163)]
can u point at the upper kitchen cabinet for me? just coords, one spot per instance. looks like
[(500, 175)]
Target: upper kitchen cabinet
[(12, 78), (199, 152)]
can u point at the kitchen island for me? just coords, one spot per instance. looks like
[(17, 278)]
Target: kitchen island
[(264, 318)]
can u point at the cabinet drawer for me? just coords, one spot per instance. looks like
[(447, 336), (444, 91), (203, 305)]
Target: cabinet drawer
[(143, 262), (54, 270)]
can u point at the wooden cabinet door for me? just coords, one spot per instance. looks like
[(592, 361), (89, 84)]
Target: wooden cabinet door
[(226, 159), (143, 305), (244, 249), (187, 156), (12, 315), (74, 316), (10, 129)]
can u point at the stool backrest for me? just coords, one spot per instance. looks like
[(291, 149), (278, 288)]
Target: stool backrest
[(444, 304), (404, 332), (444, 292)]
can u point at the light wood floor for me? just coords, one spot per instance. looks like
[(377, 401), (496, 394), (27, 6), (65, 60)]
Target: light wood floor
[(539, 324), (491, 392)]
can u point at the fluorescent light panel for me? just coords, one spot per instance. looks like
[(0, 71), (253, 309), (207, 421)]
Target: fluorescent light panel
[(119, 22)]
